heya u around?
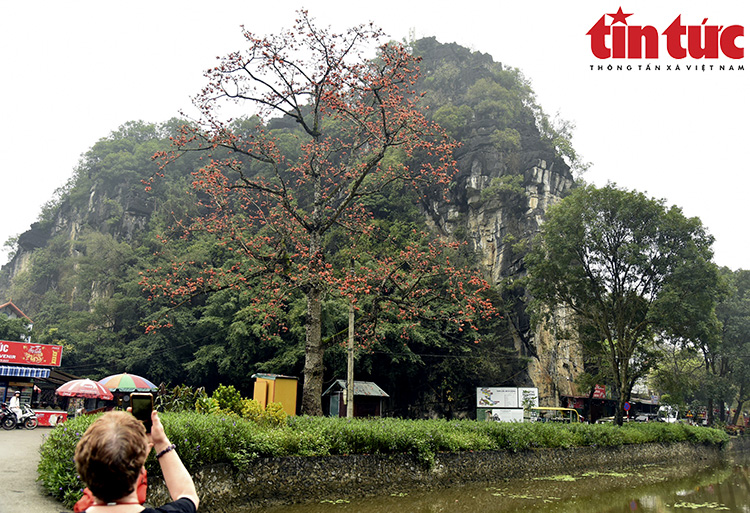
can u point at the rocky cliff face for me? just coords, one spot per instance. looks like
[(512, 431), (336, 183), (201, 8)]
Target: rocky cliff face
[(493, 220), (121, 212)]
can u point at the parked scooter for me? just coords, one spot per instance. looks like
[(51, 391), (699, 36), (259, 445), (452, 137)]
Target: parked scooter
[(28, 418), (7, 417)]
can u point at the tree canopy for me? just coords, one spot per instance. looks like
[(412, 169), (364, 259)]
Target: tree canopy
[(625, 270), (707, 375), (13, 329)]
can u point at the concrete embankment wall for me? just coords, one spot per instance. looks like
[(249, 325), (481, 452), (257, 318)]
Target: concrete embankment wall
[(274, 481)]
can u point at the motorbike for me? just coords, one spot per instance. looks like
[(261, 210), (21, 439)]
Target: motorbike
[(9, 421), (7, 417), (28, 418)]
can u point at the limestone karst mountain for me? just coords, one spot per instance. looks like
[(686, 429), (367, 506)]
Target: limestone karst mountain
[(75, 271)]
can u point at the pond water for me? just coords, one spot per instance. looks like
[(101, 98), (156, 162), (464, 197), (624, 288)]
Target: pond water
[(644, 489)]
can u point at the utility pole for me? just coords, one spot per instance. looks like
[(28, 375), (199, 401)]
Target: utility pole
[(350, 360)]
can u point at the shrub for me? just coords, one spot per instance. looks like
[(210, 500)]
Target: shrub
[(251, 410), (57, 470), (273, 415), (207, 405), (228, 399), (225, 437)]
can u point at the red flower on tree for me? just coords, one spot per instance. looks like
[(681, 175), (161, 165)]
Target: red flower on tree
[(272, 198)]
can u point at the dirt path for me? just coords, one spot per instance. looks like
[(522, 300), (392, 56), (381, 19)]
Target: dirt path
[(19, 457)]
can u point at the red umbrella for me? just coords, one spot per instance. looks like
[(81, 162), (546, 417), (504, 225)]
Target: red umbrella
[(84, 388)]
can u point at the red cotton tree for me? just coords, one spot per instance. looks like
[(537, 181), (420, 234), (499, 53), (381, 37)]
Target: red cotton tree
[(271, 199)]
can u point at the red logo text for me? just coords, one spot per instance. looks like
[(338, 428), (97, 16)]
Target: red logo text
[(620, 40)]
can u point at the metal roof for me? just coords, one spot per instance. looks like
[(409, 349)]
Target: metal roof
[(367, 388), (261, 375)]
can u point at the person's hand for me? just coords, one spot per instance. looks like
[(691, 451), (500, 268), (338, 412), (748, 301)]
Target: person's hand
[(160, 441), (157, 436)]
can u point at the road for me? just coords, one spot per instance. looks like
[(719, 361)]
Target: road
[(19, 490)]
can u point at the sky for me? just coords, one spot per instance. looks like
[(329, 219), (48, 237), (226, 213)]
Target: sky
[(74, 71)]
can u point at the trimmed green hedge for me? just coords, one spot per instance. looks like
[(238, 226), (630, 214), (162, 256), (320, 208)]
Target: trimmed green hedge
[(204, 439)]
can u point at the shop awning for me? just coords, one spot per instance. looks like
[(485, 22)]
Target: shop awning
[(24, 372)]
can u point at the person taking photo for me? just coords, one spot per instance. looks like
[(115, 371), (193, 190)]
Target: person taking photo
[(110, 459)]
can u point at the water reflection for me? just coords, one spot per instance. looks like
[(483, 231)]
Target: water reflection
[(644, 489)]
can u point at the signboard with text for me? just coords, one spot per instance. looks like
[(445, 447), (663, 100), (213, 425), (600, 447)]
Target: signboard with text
[(507, 397), (497, 397), (507, 414), (25, 353)]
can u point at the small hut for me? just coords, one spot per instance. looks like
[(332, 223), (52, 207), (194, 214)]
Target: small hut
[(276, 388), (369, 399)]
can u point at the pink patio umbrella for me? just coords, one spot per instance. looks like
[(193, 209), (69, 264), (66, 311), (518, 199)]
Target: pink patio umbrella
[(84, 388)]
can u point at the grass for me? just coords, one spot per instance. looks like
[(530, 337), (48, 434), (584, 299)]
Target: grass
[(204, 439)]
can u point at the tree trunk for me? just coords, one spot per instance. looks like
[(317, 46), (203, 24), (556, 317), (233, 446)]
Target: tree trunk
[(621, 380), (737, 412), (313, 371), (312, 387), (621, 400), (350, 365), (740, 402)]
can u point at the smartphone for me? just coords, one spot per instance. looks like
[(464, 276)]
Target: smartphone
[(141, 406)]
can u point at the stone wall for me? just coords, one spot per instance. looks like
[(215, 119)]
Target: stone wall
[(277, 481)]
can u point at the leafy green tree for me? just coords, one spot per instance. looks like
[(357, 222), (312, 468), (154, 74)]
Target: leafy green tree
[(722, 375), (679, 374), (10, 246), (734, 313), (13, 329), (626, 268)]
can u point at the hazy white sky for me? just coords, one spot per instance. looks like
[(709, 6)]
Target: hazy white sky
[(74, 71)]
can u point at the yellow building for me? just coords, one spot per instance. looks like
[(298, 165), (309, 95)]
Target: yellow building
[(275, 388)]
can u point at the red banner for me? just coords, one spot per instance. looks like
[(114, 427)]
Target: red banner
[(600, 392), (24, 353)]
